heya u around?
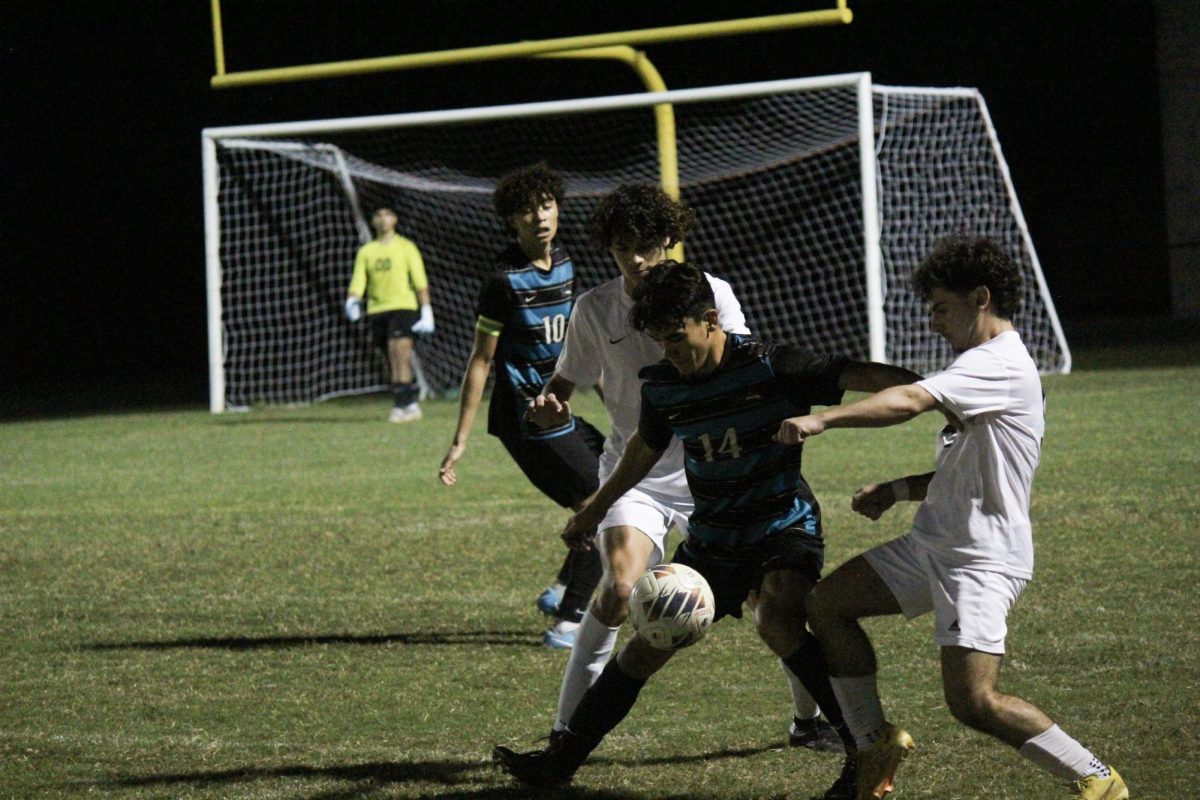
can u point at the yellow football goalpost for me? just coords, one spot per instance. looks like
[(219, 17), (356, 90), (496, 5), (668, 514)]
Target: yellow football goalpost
[(618, 46)]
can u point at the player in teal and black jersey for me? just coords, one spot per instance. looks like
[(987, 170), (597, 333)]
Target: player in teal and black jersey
[(525, 307), (755, 533), (521, 322)]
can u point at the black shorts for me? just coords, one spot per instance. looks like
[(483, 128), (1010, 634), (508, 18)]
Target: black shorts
[(564, 468), (732, 572), (392, 325)]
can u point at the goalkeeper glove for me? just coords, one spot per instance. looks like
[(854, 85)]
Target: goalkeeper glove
[(354, 309), (425, 323)]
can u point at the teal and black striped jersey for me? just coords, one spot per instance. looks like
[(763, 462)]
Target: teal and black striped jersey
[(528, 309), (745, 484)]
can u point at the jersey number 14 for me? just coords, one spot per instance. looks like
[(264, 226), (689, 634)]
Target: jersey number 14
[(729, 447)]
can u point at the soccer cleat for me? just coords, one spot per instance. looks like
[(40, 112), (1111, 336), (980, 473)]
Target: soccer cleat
[(877, 763), (1093, 787), (815, 734), (561, 635), (549, 768), (408, 413), (845, 787), (550, 599)]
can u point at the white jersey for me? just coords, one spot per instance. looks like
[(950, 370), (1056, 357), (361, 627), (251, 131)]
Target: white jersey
[(976, 513), (601, 345)]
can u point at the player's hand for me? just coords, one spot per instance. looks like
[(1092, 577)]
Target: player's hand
[(354, 308), (545, 411), (795, 430), (873, 499), (446, 472), (425, 323), (580, 531)]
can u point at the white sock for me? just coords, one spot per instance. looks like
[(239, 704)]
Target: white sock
[(805, 707), (1060, 755), (859, 699), (594, 643)]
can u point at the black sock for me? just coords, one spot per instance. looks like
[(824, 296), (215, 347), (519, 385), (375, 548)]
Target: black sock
[(808, 664), (605, 704), (404, 394), (583, 574)]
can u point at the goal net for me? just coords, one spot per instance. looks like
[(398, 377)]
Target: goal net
[(815, 198)]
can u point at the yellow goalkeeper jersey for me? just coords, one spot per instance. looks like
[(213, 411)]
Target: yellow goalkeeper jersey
[(389, 275)]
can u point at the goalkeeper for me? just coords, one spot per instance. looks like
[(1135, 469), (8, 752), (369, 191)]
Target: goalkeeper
[(755, 533), (389, 274)]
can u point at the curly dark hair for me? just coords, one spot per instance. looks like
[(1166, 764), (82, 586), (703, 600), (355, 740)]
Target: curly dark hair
[(639, 213), (517, 189), (961, 263), (670, 293)]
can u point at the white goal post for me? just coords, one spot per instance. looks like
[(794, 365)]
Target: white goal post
[(815, 198)]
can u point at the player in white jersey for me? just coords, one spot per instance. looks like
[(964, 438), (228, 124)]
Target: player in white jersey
[(969, 552), (638, 224)]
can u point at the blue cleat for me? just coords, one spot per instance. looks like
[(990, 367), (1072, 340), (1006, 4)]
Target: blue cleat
[(561, 635), (550, 599)]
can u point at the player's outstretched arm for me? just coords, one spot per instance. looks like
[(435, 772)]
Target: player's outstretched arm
[(469, 399), (635, 464), (888, 407), (552, 408), (874, 499), (870, 376)]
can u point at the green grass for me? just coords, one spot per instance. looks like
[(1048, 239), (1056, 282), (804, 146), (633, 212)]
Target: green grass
[(287, 604)]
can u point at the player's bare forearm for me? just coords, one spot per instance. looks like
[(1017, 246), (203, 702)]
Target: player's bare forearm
[(888, 407), (423, 296), (470, 397), (635, 464), (550, 409), (560, 387), (874, 499), (870, 376)]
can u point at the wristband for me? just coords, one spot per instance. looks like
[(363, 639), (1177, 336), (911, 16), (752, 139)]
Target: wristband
[(900, 489)]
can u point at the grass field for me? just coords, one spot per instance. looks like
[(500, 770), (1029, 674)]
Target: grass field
[(286, 604)]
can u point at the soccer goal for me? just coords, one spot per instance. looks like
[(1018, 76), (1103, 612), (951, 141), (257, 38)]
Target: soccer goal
[(815, 198)]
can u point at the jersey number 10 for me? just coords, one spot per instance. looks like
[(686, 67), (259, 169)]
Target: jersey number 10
[(556, 328)]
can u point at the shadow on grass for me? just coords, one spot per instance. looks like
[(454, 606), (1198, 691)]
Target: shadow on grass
[(251, 419), (448, 773), (523, 638)]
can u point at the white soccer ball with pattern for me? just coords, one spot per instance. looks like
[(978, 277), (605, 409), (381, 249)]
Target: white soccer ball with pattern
[(671, 606)]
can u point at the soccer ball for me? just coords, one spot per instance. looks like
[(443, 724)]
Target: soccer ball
[(671, 606)]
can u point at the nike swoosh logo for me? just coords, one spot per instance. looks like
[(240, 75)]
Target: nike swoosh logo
[(617, 341)]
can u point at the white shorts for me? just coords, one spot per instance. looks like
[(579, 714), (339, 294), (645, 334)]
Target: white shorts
[(969, 605), (652, 513)]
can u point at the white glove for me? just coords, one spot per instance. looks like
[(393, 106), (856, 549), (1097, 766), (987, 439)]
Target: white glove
[(354, 308), (425, 323)]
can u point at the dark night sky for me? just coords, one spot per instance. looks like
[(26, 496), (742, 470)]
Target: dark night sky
[(104, 103)]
